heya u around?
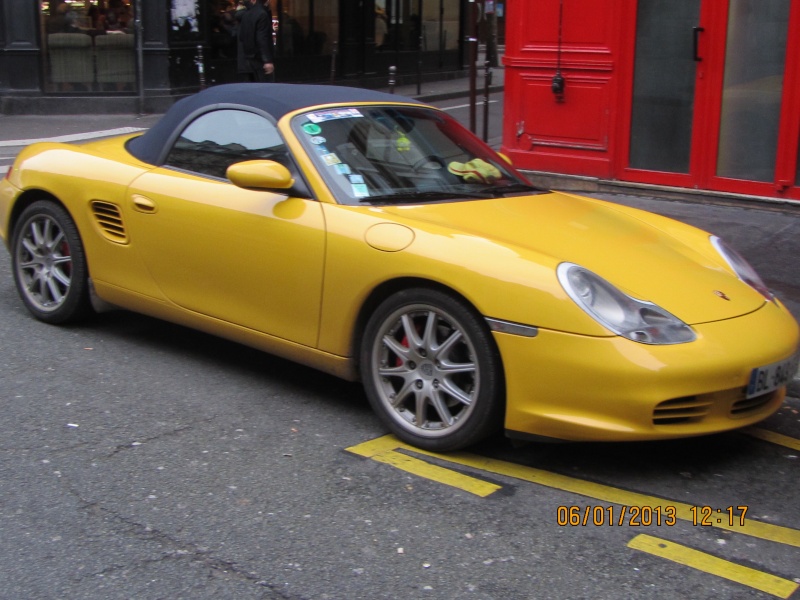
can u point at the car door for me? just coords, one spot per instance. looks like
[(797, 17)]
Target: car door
[(252, 258)]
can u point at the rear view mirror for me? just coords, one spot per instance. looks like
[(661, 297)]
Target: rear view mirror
[(260, 175)]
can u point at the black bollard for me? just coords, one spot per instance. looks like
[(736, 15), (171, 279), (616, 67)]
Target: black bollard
[(487, 84), (333, 60)]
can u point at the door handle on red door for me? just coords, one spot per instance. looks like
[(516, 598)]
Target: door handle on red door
[(696, 31)]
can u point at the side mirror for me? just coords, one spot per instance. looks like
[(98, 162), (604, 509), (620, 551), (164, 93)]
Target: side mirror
[(260, 175)]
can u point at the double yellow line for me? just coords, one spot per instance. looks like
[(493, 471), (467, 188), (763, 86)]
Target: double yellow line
[(388, 449), (391, 451)]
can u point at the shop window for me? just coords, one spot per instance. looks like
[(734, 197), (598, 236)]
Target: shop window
[(295, 31), (403, 24), (184, 21), (325, 26), (663, 86), (449, 27), (305, 32), (223, 23), (306, 27), (753, 89), (431, 25), (88, 47)]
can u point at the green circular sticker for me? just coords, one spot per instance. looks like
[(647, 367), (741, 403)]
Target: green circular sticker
[(312, 128)]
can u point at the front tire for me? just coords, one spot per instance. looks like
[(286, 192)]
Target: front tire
[(49, 264), (431, 370)]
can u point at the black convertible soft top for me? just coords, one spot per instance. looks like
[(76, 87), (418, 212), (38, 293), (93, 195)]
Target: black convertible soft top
[(276, 99)]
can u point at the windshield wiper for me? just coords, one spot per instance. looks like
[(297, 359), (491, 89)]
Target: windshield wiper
[(429, 195), (499, 190)]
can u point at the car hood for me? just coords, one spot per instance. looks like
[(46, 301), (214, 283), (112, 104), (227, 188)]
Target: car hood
[(649, 257)]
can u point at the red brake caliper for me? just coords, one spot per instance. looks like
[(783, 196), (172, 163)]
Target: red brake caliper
[(404, 343)]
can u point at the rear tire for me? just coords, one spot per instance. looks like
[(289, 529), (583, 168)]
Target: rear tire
[(431, 370), (49, 264)]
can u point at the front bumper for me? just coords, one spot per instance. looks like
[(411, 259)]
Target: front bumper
[(579, 388)]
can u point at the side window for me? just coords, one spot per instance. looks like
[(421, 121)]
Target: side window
[(216, 140)]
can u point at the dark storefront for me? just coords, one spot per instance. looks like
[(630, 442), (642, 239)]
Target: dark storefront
[(56, 53), (699, 94)]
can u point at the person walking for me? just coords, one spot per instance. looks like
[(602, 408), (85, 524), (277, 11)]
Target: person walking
[(255, 49)]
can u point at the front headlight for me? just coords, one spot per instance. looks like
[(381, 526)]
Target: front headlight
[(633, 319), (741, 267)]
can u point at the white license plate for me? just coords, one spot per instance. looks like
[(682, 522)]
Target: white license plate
[(766, 379)]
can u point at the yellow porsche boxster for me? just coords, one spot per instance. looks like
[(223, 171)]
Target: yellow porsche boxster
[(374, 238)]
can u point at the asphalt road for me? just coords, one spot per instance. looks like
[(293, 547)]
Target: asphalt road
[(142, 460)]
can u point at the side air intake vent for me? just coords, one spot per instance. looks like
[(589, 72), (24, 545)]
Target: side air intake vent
[(109, 220)]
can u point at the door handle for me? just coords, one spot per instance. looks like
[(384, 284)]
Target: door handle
[(696, 31), (143, 204)]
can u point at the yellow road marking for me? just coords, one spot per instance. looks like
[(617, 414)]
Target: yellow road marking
[(771, 436), (436, 473), (782, 588), (372, 447), (597, 491), (380, 452)]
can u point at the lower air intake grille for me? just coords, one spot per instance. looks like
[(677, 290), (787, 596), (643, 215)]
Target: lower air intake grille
[(742, 407), (680, 410)]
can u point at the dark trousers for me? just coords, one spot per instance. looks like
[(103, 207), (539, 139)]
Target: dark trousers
[(256, 72)]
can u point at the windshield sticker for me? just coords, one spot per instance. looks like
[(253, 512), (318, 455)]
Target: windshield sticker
[(330, 115), (312, 128), (322, 150), (342, 169), (360, 190), (356, 179), (317, 139), (331, 159)]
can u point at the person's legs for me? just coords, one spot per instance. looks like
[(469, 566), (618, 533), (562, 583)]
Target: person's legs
[(257, 71)]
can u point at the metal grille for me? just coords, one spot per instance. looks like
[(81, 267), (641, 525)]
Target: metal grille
[(110, 221), (680, 410)]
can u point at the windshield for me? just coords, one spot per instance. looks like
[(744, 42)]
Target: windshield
[(394, 154)]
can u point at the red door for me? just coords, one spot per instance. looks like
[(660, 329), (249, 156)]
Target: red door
[(714, 100)]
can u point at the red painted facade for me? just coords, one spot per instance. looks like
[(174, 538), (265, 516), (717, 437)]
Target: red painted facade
[(705, 96)]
